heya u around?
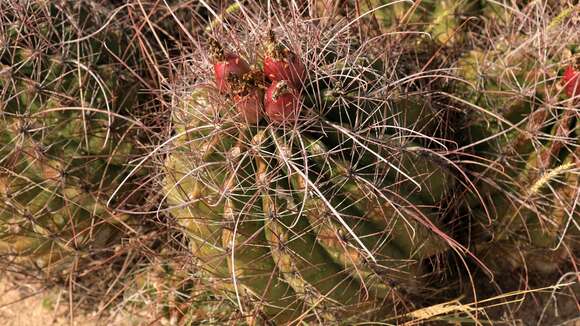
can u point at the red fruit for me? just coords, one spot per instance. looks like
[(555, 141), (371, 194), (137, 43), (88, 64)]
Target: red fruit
[(288, 67), (229, 66), (281, 63), (250, 106), (282, 102), (572, 81)]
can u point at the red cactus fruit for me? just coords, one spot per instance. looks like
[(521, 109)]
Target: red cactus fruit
[(226, 66), (282, 102), (248, 95), (572, 81), (250, 105), (282, 64), (232, 65)]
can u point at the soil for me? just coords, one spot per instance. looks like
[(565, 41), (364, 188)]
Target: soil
[(25, 305), (542, 303)]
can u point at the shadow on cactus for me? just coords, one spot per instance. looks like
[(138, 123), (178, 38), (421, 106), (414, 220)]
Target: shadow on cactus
[(308, 176), (66, 137)]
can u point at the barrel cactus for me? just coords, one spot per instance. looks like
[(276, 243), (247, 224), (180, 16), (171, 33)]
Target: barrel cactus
[(326, 201), (523, 122), (65, 141)]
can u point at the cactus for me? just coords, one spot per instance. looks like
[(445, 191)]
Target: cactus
[(325, 206), (522, 122), (313, 163), (445, 22), (64, 138)]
